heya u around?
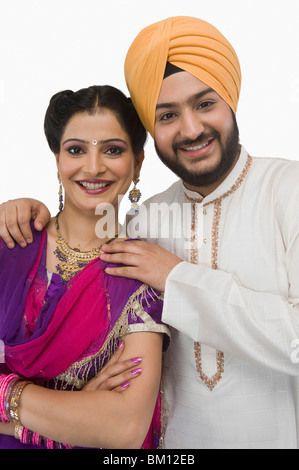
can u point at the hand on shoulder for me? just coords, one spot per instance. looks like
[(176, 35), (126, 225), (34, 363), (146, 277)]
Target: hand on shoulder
[(15, 217)]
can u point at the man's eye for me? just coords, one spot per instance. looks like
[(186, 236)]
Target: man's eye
[(205, 104), (167, 116)]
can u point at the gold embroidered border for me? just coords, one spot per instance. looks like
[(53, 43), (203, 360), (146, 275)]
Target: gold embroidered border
[(194, 226), (215, 234), (211, 382), (81, 368)]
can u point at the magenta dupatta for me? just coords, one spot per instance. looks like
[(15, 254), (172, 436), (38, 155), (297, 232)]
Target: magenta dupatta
[(42, 339)]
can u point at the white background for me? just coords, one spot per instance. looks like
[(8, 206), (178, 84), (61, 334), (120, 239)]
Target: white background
[(50, 45)]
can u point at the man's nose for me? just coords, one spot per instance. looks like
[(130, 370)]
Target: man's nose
[(191, 125)]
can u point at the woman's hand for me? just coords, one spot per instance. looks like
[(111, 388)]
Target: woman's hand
[(116, 375), (15, 217)]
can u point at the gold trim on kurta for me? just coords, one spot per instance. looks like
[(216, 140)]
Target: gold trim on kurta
[(211, 382)]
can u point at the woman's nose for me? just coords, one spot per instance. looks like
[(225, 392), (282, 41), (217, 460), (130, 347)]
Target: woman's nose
[(95, 163)]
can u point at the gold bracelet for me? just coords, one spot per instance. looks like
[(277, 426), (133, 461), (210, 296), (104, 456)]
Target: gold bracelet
[(14, 401), (18, 431)]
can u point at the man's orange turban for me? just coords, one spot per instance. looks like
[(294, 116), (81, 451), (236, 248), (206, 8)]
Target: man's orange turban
[(189, 43)]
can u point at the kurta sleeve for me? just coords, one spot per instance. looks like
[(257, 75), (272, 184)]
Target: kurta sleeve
[(212, 307), (255, 322)]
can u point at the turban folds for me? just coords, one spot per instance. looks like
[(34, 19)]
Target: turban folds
[(189, 43)]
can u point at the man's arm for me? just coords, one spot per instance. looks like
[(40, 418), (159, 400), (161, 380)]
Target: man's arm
[(212, 307), (15, 217)]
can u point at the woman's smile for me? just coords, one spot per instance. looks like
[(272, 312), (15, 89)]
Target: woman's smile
[(94, 186)]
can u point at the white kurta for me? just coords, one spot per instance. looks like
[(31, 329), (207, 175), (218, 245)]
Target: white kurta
[(231, 372)]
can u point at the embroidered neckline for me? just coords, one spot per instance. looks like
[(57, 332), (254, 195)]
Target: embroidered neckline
[(216, 218), (230, 191), (211, 382)]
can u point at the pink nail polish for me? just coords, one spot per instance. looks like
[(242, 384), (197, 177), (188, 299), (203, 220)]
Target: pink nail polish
[(125, 385), (136, 360), (136, 371), (120, 345)]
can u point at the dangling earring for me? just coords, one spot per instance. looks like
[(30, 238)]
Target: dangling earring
[(60, 193), (135, 195)]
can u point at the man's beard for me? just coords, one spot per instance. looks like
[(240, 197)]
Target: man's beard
[(229, 152)]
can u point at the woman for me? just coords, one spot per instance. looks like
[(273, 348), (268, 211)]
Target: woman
[(61, 316)]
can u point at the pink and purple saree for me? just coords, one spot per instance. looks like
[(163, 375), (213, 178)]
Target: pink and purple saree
[(60, 335)]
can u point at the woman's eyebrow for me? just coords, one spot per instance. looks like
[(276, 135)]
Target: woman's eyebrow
[(87, 142), (75, 140)]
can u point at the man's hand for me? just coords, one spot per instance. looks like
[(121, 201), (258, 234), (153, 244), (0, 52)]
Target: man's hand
[(147, 262), (15, 217)]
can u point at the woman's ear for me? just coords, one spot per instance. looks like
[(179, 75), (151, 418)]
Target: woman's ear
[(138, 163), (57, 158)]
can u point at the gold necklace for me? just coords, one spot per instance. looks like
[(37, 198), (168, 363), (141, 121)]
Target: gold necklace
[(72, 259)]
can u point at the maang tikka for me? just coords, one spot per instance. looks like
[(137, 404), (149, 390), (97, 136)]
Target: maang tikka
[(60, 192), (135, 195)]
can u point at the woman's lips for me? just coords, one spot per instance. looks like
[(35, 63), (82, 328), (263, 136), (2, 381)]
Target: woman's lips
[(94, 186)]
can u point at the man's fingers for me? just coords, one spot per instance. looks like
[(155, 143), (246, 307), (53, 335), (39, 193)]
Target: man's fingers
[(15, 217), (124, 271), (41, 215), (9, 228), (132, 246), (4, 235), (18, 223), (127, 259)]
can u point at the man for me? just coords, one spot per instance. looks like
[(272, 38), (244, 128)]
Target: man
[(231, 372)]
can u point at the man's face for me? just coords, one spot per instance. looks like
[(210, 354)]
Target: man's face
[(196, 134)]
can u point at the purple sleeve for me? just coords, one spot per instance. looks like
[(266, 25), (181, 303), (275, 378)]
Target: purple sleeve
[(145, 313)]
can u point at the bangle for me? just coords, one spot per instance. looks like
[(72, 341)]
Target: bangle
[(18, 431), (6, 385), (14, 401)]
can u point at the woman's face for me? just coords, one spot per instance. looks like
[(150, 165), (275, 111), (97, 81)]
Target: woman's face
[(96, 161)]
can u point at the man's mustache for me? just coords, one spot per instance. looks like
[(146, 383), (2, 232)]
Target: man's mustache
[(198, 141)]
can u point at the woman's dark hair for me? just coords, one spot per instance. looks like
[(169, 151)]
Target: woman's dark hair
[(67, 103)]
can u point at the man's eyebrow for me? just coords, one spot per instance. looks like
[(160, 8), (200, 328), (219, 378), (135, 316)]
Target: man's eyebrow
[(197, 96)]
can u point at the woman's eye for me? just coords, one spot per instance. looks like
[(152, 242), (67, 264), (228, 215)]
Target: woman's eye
[(75, 150), (114, 151)]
